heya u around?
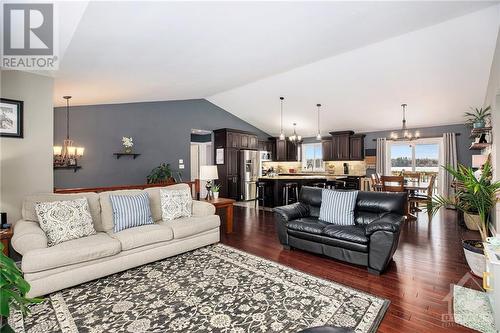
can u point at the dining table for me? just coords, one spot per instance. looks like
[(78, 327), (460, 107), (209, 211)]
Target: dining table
[(411, 187)]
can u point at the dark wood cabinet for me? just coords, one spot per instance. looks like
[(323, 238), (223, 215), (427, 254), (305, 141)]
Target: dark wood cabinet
[(326, 146), (341, 145), (284, 150), (232, 188), (293, 151), (244, 141), (357, 147), (252, 141), (280, 151)]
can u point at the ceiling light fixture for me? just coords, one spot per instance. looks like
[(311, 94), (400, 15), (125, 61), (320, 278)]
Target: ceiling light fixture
[(405, 135), (68, 154), (295, 137), (318, 136), (282, 134)]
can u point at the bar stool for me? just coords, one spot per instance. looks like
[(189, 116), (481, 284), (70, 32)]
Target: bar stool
[(260, 191), (335, 184), (320, 185), (287, 187)]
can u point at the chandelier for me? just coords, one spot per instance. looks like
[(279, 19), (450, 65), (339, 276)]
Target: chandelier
[(404, 134), (295, 137), (68, 154)]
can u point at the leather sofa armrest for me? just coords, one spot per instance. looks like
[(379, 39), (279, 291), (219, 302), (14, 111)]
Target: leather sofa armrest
[(28, 236), (201, 208), (292, 212), (389, 222)]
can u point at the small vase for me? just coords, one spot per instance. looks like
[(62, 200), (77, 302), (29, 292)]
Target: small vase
[(479, 124), (127, 150), (216, 195)]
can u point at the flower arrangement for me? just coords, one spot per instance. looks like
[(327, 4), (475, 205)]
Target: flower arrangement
[(128, 144)]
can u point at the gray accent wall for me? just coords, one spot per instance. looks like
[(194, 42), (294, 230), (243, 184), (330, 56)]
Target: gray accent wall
[(161, 132), (464, 155)]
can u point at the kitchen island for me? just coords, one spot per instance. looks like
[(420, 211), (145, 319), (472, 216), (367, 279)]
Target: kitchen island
[(273, 190)]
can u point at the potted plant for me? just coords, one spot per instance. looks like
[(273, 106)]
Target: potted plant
[(128, 144), (473, 195), (477, 117), (161, 174), (13, 290), (216, 190)]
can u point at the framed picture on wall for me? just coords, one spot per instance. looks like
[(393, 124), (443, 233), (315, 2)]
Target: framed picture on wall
[(11, 118)]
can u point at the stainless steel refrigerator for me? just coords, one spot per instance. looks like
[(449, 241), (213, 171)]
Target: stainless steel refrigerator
[(249, 173)]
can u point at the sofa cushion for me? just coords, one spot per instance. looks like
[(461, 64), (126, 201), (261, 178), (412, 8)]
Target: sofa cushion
[(29, 213), (65, 220), (107, 209), (143, 235), (175, 203), (71, 252), (367, 217), (321, 239), (307, 224), (351, 233), (189, 226), (130, 211), (155, 201)]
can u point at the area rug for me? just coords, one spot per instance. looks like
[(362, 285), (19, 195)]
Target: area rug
[(472, 309), (212, 289)]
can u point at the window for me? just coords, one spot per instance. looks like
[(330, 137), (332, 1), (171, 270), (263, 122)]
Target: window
[(418, 156), (312, 157)]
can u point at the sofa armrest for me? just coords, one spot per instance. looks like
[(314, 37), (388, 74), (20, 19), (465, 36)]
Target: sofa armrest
[(389, 222), (201, 208), (28, 236), (292, 212)]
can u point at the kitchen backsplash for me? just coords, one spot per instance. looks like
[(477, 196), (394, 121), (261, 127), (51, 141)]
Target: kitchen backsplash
[(333, 167)]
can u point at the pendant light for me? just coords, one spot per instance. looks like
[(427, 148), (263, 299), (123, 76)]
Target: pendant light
[(405, 134), (318, 136), (295, 137), (68, 154), (282, 134)]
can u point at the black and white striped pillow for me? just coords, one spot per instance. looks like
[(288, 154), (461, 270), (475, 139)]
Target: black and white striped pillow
[(338, 206)]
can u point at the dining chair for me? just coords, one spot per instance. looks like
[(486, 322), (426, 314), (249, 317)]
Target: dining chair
[(413, 176), (426, 198), (393, 183), (376, 186)]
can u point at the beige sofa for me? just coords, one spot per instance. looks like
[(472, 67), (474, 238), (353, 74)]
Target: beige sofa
[(67, 264)]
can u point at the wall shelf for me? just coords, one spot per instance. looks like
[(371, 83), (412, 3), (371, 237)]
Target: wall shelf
[(479, 146), (75, 168), (478, 131), (118, 155)]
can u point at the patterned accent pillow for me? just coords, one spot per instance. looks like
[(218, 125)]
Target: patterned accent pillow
[(130, 211), (175, 203), (337, 207), (65, 220)]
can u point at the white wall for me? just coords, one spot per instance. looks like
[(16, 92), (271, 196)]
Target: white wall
[(26, 164), (493, 99)]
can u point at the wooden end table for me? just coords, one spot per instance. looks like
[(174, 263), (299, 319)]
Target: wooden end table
[(5, 236), (221, 203)]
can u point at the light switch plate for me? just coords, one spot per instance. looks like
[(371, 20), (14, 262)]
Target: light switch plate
[(181, 166), (181, 161)]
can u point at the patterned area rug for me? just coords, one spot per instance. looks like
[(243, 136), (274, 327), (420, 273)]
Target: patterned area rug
[(212, 289), (472, 309)]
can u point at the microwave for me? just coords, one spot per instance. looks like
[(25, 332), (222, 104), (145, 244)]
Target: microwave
[(265, 156)]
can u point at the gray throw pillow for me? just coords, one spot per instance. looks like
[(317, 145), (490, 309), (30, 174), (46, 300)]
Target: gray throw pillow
[(175, 204)]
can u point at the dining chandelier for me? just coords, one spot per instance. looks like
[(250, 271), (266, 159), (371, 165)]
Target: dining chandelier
[(404, 134), (68, 154), (294, 137)]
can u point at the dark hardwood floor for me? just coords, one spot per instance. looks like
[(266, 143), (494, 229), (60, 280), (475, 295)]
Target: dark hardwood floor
[(428, 260)]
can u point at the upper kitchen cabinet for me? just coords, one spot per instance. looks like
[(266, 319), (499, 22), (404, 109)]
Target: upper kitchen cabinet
[(293, 151), (341, 145), (231, 138), (357, 147), (285, 151), (326, 145)]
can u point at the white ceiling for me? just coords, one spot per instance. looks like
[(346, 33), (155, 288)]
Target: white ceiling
[(357, 58)]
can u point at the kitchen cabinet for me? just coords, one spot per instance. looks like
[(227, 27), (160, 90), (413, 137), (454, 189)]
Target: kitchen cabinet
[(341, 145), (232, 188), (285, 151), (229, 138), (326, 146), (357, 147), (252, 141), (293, 151), (280, 150)]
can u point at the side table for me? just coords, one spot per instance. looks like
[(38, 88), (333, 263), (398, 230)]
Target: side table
[(221, 203), (5, 236)]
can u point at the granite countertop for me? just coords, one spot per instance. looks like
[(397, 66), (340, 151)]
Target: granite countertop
[(303, 176)]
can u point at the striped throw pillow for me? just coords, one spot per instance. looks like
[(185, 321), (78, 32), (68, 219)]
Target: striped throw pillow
[(338, 206), (130, 211)]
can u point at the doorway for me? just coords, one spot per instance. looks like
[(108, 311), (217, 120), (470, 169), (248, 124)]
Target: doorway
[(201, 154)]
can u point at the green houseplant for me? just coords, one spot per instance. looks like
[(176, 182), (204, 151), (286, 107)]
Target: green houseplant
[(13, 290), (216, 190), (160, 174), (472, 195), (477, 117)]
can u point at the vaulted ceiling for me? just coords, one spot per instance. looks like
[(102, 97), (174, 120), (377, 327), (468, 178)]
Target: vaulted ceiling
[(361, 60)]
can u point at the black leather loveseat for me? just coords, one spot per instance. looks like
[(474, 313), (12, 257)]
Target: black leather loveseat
[(370, 242)]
